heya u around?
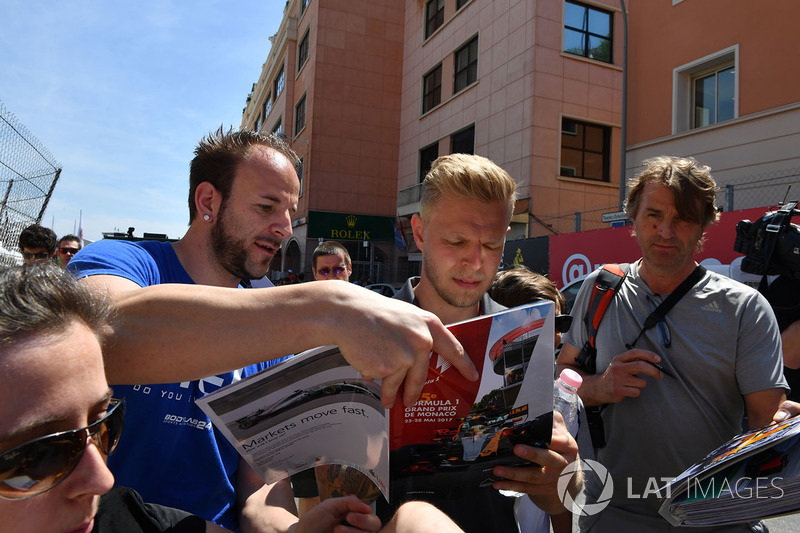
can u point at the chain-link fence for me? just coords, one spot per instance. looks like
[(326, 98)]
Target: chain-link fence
[(759, 190), (740, 192), (575, 221), (28, 174)]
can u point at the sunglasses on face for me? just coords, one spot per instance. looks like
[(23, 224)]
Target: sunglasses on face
[(325, 271), (65, 251), (38, 255), (563, 323), (41, 464)]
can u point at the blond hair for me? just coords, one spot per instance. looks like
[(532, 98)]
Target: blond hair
[(469, 176)]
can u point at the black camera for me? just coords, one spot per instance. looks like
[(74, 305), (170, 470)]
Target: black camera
[(771, 244)]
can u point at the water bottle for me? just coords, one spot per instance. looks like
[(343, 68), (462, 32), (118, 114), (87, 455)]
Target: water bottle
[(565, 398)]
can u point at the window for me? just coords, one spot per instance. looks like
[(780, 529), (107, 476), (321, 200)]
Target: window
[(267, 105), (585, 150), (587, 31), (278, 128), (434, 16), (466, 71), (463, 142), (300, 175), (705, 91), (713, 96), (426, 158), (258, 122), (278, 83), (303, 6), (432, 89), (302, 52), (300, 115), (460, 4)]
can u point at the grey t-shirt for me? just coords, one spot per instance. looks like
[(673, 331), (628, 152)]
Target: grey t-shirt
[(723, 343)]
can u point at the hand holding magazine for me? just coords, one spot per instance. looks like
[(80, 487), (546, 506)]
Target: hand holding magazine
[(753, 476), (314, 409)]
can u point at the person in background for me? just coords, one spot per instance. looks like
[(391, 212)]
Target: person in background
[(511, 288), (520, 286), (68, 246), (331, 261), (674, 392), (186, 330), (783, 294), (37, 243)]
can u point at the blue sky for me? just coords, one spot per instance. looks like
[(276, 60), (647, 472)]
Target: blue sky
[(120, 93)]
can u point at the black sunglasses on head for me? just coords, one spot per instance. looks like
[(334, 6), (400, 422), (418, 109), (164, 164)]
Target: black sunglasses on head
[(40, 464), (563, 323)]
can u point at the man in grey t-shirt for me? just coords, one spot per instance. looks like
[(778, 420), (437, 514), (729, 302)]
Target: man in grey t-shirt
[(719, 347)]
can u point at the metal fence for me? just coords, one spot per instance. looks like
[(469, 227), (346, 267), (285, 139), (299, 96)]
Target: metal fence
[(28, 175), (740, 192)]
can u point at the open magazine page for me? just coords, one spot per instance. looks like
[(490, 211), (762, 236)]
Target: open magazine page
[(448, 443), (313, 409), (754, 475)]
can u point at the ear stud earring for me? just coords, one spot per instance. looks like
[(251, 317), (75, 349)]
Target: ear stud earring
[(206, 217)]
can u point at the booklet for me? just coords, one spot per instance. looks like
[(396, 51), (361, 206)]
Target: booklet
[(314, 409), (753, 476)]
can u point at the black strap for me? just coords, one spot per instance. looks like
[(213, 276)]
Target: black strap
[(608, 282), (662, 310), (773, 234), (593, 416)]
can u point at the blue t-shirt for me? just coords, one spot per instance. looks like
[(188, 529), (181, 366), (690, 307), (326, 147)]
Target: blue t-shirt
[(169, 452)]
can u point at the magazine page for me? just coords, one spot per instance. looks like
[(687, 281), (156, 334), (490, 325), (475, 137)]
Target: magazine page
[(451, 439), (313, 409), (754, 475)]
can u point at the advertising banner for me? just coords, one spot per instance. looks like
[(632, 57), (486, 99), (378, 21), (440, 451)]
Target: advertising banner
[(575, 255)]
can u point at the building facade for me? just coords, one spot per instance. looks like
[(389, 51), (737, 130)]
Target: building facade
[(331, 84), (369, 93), (726, 92), (535, 86)]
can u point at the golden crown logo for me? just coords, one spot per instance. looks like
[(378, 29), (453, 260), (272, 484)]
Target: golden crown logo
[(351, 221), (518, 260)]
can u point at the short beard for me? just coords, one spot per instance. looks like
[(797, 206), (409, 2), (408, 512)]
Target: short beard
[(455, 300), (228, 251)]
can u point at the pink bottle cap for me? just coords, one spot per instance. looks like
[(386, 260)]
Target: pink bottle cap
[(571, 378)]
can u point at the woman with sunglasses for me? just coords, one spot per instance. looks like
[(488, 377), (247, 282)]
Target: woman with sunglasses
[(59, 422)]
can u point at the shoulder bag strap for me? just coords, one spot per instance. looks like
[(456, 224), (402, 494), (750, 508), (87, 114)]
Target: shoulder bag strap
[(662, 310)]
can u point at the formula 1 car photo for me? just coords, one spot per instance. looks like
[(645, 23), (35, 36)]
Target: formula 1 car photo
[(301, 396)]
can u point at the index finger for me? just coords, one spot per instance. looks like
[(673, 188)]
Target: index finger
[(639, 355), (415, 379), (446, 345)]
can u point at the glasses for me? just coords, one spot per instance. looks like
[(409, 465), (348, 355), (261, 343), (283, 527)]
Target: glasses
[(325, 271), (41, 464), (72, 251), (38, 255), (563, 323)]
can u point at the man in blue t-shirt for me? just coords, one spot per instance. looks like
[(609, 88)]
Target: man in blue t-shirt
[(183, 321)]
